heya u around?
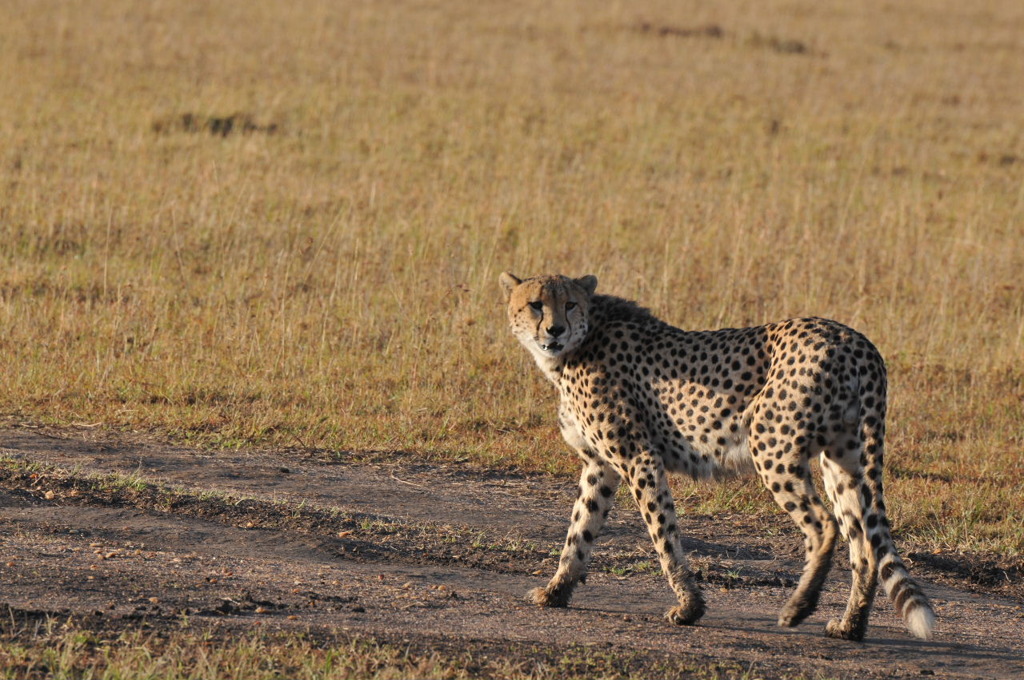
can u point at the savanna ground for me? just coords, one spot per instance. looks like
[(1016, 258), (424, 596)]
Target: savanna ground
[(277, 227)]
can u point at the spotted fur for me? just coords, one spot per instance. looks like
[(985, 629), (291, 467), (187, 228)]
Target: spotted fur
[(640, 398)]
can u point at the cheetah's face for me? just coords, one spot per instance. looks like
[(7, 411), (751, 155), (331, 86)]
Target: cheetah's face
[(548, 314)]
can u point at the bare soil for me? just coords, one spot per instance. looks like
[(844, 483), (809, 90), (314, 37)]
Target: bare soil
[(119, 531)]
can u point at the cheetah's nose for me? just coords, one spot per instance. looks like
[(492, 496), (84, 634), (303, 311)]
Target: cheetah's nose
[(555, 331)]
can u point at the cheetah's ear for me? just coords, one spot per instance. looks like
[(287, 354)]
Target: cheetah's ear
[(587, 283), (508, 281)]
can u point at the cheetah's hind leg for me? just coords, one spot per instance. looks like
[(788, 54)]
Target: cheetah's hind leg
[(856, 494), (845, 491)]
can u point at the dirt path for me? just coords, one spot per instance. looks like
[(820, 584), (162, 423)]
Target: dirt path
[(435, 555)]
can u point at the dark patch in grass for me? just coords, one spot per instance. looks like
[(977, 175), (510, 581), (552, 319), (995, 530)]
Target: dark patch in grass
[(1003, 160), (84, 293), (218, 126), (780, 45), (662, 31)]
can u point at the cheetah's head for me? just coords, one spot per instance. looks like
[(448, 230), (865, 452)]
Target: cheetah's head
[(548, 314)]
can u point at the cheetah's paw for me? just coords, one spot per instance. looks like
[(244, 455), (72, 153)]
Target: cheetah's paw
[(544, 598), (835, 629), (686, 615)]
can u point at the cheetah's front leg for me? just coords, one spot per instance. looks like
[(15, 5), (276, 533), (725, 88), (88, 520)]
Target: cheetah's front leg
[(649, 484), (594, 498)]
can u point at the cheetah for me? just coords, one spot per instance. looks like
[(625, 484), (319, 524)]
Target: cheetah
[(640, 398)]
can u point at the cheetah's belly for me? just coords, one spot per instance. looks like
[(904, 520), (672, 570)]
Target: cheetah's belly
[(701, 456)]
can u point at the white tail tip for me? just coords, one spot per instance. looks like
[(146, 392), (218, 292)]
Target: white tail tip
[(920, 621)]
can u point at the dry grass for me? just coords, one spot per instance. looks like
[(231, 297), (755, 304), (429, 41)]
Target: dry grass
[(323, 275), (62, 649)]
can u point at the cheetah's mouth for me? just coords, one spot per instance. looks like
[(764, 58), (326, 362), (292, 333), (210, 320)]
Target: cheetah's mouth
[(553, 347)]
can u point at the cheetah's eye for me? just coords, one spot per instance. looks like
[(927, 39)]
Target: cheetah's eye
[(536, 305), (570, 305)]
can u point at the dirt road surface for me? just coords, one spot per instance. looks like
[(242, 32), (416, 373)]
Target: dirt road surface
[(127, 531)]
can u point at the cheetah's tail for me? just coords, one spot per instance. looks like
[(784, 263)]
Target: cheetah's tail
[(906, 594), (904, 591)]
